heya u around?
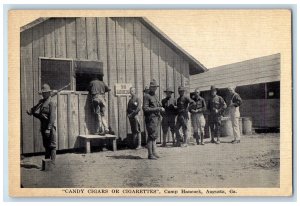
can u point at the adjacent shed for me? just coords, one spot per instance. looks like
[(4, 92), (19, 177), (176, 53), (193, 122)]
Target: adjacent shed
[(256, 80), (59, 51)]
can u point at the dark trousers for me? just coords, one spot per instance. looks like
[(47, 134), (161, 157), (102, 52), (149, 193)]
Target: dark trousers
[(215, 126), (49, 143)]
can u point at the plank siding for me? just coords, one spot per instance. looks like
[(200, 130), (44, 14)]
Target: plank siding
[(62, 121), (264, 112), (129, 48), (112, 73), (38, 50), (81, 43), (27, 94), (49, 29), (91, 38), (121, 73), (71, 38), (146, 55), (138, 65), (60, 38)]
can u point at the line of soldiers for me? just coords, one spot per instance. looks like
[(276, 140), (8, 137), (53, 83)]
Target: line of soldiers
[(175, 116), (174, 113)]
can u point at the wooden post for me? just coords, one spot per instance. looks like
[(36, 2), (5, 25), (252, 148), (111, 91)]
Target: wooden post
[(114, 143)]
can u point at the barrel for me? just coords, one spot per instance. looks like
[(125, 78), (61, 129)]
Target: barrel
[(226, 127), (247, 125)]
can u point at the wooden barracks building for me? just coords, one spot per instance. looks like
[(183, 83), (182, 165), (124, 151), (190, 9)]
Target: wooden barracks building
[(256, 80), (59, 51)]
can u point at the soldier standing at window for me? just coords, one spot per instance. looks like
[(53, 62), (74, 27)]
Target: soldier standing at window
[(152, 109), (234, 101), (97, 90), (183, 103), (216, 107), (169, 116), (133, 109), (45, 111), (198, 121)]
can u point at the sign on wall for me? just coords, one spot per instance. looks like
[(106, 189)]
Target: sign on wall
[(122, 89)]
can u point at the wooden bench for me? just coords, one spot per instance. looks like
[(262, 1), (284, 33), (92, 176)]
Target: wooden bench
[(88, 138)]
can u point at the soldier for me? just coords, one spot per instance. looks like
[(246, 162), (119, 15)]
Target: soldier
[(152, 109), (216, 107), (198, 121), (183, 103), (45, 111), (133, 109), (234, 101), (169, 116), (97, 90)]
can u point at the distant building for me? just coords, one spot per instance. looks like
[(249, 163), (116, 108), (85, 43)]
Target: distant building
[(258, 83)]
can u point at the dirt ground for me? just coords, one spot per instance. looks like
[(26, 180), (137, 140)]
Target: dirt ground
[(252, 163)]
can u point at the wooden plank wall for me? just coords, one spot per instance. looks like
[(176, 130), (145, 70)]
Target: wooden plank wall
[(264, 112), (130, 52)]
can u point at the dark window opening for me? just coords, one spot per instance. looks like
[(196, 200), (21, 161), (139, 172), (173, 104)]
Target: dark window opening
[(56, 73), (273, 90), (254, 91), (85, 72)]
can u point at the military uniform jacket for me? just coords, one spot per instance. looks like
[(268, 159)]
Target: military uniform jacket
[(47, 114), (234, 100), (169, 105), (134, 106), (198, 104), (98, 87), (183, 105), (151, 105), (216, 103)]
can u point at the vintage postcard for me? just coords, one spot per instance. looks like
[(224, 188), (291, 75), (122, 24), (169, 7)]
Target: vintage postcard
[(150, 103)]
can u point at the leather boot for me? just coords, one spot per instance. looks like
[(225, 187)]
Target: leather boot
[(202, 138), (139, 141), (53, 155), (47, 153), (196, 137), (154, 147), (149, 147)]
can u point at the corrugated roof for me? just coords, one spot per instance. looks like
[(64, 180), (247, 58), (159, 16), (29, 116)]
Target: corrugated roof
[(195, 66)]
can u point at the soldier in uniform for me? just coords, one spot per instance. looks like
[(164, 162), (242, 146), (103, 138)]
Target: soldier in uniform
[(183, 103), (152, 109), (133, 109), (198, 121), (216, 107), (45, 111), (169, 116), (234, 101), (97, 90)]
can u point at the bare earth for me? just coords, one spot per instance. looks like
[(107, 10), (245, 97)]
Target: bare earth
[(252, 163)]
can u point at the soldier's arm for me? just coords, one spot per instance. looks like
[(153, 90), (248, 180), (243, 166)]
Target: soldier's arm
[(107, 89), (237, 100), (52, 117), (147, 108), (138, 109), (224, 105)]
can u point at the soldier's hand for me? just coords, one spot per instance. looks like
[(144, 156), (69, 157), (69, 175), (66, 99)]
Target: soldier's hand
[(29, 112), (162, 109)]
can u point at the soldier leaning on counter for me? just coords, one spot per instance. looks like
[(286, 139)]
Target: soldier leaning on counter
[(97, 90), (216, 107), (45, 111), (152, 109)]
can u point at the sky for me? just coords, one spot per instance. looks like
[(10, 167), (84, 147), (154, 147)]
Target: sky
[(213, 37)]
